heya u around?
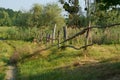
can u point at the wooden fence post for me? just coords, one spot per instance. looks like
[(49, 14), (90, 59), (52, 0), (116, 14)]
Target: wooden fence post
[(87, 38), (118, 38), (40, 40), (46, 39), (58, 39), (53, 34), (65, 33)]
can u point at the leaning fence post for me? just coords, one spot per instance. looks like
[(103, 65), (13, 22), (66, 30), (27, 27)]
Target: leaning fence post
[(46, 39), (53, 34), (65, 33), (58, 39)]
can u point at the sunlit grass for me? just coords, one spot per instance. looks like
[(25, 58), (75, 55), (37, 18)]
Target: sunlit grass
[(5, 52), (57, 64), (62, 64)]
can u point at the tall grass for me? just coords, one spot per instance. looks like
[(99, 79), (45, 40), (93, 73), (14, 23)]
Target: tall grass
[(106, 36), (22, 34), (99, 36), (14, 33)]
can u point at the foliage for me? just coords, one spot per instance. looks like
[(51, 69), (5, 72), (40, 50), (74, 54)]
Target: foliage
[(104, 12), (72, 6), (52, 15), (40, 16), (106, 18), (105, 4), (22, 19), (36, 13), (5, 19), (37, 16), (74, 11)]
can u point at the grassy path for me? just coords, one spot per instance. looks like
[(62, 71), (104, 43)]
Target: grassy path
[(11, 69), (10, 73)]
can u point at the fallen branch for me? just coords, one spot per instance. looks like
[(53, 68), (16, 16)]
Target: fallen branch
[(106, 26), (112, 25), (35, 53), (76, 47)]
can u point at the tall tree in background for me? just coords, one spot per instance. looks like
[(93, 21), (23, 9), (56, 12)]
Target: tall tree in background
[(107, 12), (5, 19), (36, 12), (22, 19), (52, 15), (72, 7), (40, 16), (37, 16), (106, 4)]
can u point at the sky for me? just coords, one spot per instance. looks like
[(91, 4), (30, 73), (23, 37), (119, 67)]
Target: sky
[(26, 4), (22, 4)]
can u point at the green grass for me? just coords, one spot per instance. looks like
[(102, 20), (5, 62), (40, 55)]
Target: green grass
[(101, 63), (6, 51), (68, 64)]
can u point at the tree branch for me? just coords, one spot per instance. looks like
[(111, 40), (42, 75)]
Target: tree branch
[(76, 47)]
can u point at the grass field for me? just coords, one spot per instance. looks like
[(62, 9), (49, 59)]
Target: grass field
[(102, 63), (7, 50)]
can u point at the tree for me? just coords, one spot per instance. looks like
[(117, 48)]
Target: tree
[(39, 15), (5, 19), (106, 12), (106, 4), (52, 15), (36, 12), (73, 8), (22, 19)]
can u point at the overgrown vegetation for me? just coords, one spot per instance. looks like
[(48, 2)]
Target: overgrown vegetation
[(35, 41), (59, 64), (5, 52), (70, 64)]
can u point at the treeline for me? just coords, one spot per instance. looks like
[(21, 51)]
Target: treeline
[(41, 19), (7, 17), (37, 16)]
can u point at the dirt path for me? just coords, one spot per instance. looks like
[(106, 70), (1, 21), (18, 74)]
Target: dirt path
[(10, 73)]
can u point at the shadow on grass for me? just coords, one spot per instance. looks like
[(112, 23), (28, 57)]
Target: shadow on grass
[(97, 71), (2, 76), (58, 54)]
